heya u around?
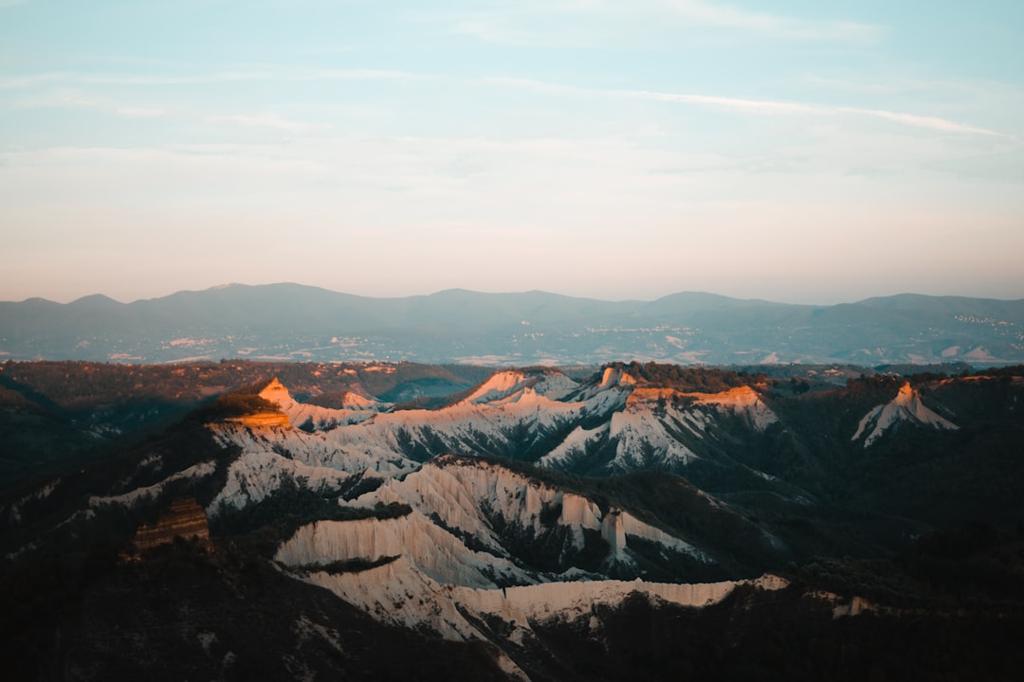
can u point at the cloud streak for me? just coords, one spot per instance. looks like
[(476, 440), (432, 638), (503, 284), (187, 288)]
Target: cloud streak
[(713, 14), (755, 106), (70, 99), (761, 106), (578, 23), (736, 104), (266, 120), (26, 81)]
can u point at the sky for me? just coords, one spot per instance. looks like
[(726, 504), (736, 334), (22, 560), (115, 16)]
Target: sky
[(797, 151)]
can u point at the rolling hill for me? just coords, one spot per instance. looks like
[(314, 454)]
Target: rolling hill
[(294, 322)]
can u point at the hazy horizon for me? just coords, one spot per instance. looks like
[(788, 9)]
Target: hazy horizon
[(509, 292), (799, 153)]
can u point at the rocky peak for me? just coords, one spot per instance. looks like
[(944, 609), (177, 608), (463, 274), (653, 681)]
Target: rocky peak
[(276, 392)]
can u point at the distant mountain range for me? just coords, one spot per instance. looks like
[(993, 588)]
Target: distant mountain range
[(296, 322)]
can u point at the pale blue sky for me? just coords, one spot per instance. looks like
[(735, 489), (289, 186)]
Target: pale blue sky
[(799, 151)]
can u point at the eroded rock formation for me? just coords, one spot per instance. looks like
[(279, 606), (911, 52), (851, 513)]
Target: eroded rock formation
[(185, 518)]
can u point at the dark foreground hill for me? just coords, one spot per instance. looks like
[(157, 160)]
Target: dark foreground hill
[(641, 521)]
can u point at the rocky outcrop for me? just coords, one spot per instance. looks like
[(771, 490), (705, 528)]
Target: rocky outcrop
[(311, 417), (550, 383), (905, 407), (185, 519)]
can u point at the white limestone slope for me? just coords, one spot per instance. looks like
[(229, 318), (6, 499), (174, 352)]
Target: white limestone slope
[(511, 411), (466, 495), (567, 601), (575, 445), (427, 576), (400, 594), (397, 593), (644, 438), (549, 383), (905, 407), (463, 427), (256, 475), (137, 495), (651, 428), (429, 548), (321, 448), (456, 493), (378, 441)]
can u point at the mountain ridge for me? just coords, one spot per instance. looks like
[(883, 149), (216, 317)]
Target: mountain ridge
[(299, 322), (462, 290)]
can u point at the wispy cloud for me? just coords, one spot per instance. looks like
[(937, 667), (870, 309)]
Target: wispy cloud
[(574, 23), (714, 14), (26, 81), (754, 106), (72, 99), (267, 120), (30, 80), (762, 106), (917, 121), (736, 104)]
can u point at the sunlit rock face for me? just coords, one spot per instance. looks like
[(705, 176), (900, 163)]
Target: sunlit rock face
[(185, 519), (262, 420), (741, 401), (355, 408), (549, 383)]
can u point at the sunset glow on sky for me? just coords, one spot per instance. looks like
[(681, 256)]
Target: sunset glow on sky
[(797, 151)]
